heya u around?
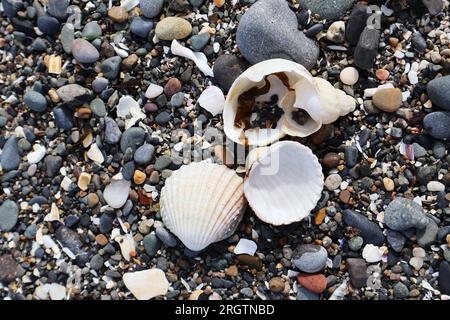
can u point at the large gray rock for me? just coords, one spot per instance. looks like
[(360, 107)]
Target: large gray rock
[(268, 30), (370, 231), (437, 124), (402, 214), (9, 211), (329, 9), (367, 48), (438, 90), (10, 158), (310, 258), (74, 95)]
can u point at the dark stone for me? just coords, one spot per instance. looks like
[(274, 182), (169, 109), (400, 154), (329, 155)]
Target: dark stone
[(357, 270), (444, 277), (370, 231), (8, 269), (437, 124), (356, 23), (367, 48)]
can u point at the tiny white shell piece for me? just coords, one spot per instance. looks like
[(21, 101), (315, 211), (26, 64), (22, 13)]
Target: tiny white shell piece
[(284, 182), (126, 103), (146, 284), (153, 91), (202, 203), (57, 291), (245, 246), (53, 215), (95, 154), (116, 193), (212, 99), (83, 181), (129, 4), (199, 58), (372, 253), (37, 154), (127, 246)]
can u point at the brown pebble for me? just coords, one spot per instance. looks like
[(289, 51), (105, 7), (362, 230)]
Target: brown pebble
[(101, 239), (252, 262), (320, 216), (324, 133), (316, 283), (331, 160), (393, 42), (92, 200), (118, 14), (129, 62), (172, 86), (382, 74), (345, 196), (276, 284), (232, 271), (84, 113), (139, 177), (388, 100)]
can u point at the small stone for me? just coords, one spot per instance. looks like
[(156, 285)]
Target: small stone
[(367, 48), (427, 235), (388, 184), (438, 89), (92, 199), (310, 258), (48, 25), (316, 283), (99, 84), (74, 95), (444, 277), (98, 107), (144, 154), (331, 160), (91, 31), (177, 100), (35, 101), (355, 243), (434, 6), (336, 32), (333, 181), (10, 158), (163, 118), (52, 165), (111, 67), (437, 124), (141, 26), (116, 193), (418, 42), (357, 269), (132, 138), (83, 181), (402, 214), (226, 69), (330, 10), (139, 177), (146, 284), (129, 62), (63, 118), (349, 76), (382, 74), (356, 23), (351, 155), (162, 162), (232, 271), (388, 100), (396, 240), (101, 239), (151, 8), (372, 253), (96, 262), (435, 186), (172, 86), (198, 42), (84, 51), (401, 291), (112, 131), (8, 269), (166, 237), (67, 37), (276, 284), (9, 212), (118, 14), (171, 28), (151, 244), (106, 222)]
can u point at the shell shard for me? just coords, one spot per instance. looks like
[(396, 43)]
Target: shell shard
[(202, 203), (278, 97), (284, 182)]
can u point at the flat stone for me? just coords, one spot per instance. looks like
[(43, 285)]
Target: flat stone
[(144, 154), (437, 124), (9, 212), (357, 269), (91, 30), (402, 214), (74, 95), (48, 25), (35, 101), (268, 30), (162, 162), (67, 37), (437, 90), (330, 9), (310, 258), (171, 28), (10, 158), (141, 27), (111, 67), (132, 138), (64, 118), (370, 231), (367, 48), (8, 269), (151, 244), (112, 131), (388, 100)]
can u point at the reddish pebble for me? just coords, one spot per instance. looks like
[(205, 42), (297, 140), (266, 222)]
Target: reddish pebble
[(151, 107), (331, 160), (172, 86), (382, 74), (316, 283), (2, 42)]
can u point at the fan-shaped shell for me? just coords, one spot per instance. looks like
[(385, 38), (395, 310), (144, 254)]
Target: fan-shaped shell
[(284, 182), (296, 90), (202, 203)]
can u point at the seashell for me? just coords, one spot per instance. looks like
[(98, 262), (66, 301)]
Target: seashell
[(146, 284), (245, 246), (284, 182), (199, 58), (129, 4), (153, 91), (83, 181), (127, 246), (37, 154), (116, 193), (53, 215), (129, 110), (54, 64), (306, 103), (202, 203), (95, 154), (212, 100)]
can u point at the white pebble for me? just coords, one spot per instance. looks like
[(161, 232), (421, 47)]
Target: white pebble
[(245, 246), (349, 76), (435, 186)]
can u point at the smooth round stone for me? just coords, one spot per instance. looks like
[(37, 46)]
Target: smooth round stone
[(418, 42), (112, 131), (435, 186), (310, 258), (39, 45), (96, 262), (91, 30), (331, 160), (162, 162), (439, 150), (355, 243), (316, 283), (388, 100), (199, 41), (144, 154), (437, 124), (106, 223), (226, 69), (63, 118), (151, 107), (438, 90), (132, 138), (52, 165), (333, 181), (9, 212), (99, 84), (58, 8), (10, 158), (172, 86), (402, 214), (351, 155), (141, 27), (98, 107), (349, 76), (151, 8), (166, 237), (369, 230), (118, 14), (388, 184), (111, 67), (151, 244), (84, 52), (67, 37), (177, 100), (401, 291), (330, 9), (48, 25), (172, 28), (35, 101), (162, 118), (336, 32)]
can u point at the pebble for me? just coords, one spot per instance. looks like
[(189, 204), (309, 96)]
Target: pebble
[(111, 67), (141, 26), (166, 237), (163, 118), (8, 269), (434, 6), (427, 235), (333, 181), (151, 244), (437, 124), (367, 48), (144, 154), (369, 230), (177, 100), (418, 42), (198, 42), (388, 100), (395, 239), (349, 76), (382, 74), (151, 8), (162, 162), (172, 86), (96, 262), (357, 269), (336, 32), (99, 84), (74, 95), (139, 177), (356, 23), (330, 10), (276, 284), (92, 199), (118, 14), (171, 28), (132, 138), (112, 131), (58, 8), (402, 214), (435, 186), (351, 155), (438, 89), (305, 294), (401, 291), (268, 30), (316, 283), (91, 31), (67, 37), (444, 277), (84, 51), (310, 258), (52, 165), (372, 253), (226, 69), (331, 160), (9, 212), (106, 223), (72, 241), (63, 118), (48, 25), (10, 158), (98, 107), (116, 193), (247, 292)]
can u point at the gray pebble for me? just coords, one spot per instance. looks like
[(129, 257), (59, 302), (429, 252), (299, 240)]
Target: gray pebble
[(310, 258), (166, 237), (10, 158), (402, 214), (112, 131), (144, 154), (9, 212), (151, 244)]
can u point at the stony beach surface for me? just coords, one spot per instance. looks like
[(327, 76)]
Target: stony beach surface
[(93, 101)]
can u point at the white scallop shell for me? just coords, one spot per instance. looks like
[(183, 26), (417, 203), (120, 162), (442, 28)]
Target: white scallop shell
[(202, 203), (284, 182), (316, 96)]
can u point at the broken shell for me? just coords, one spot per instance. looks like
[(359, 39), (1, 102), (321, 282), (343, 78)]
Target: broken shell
[(207, 209), (284, 182), (146, 284), (212, 100), (83, 181), (37, 154), (127, 246), (199, 58), (95, 154), (116, 193), (129, 110), (153, 91), (306, 103)]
